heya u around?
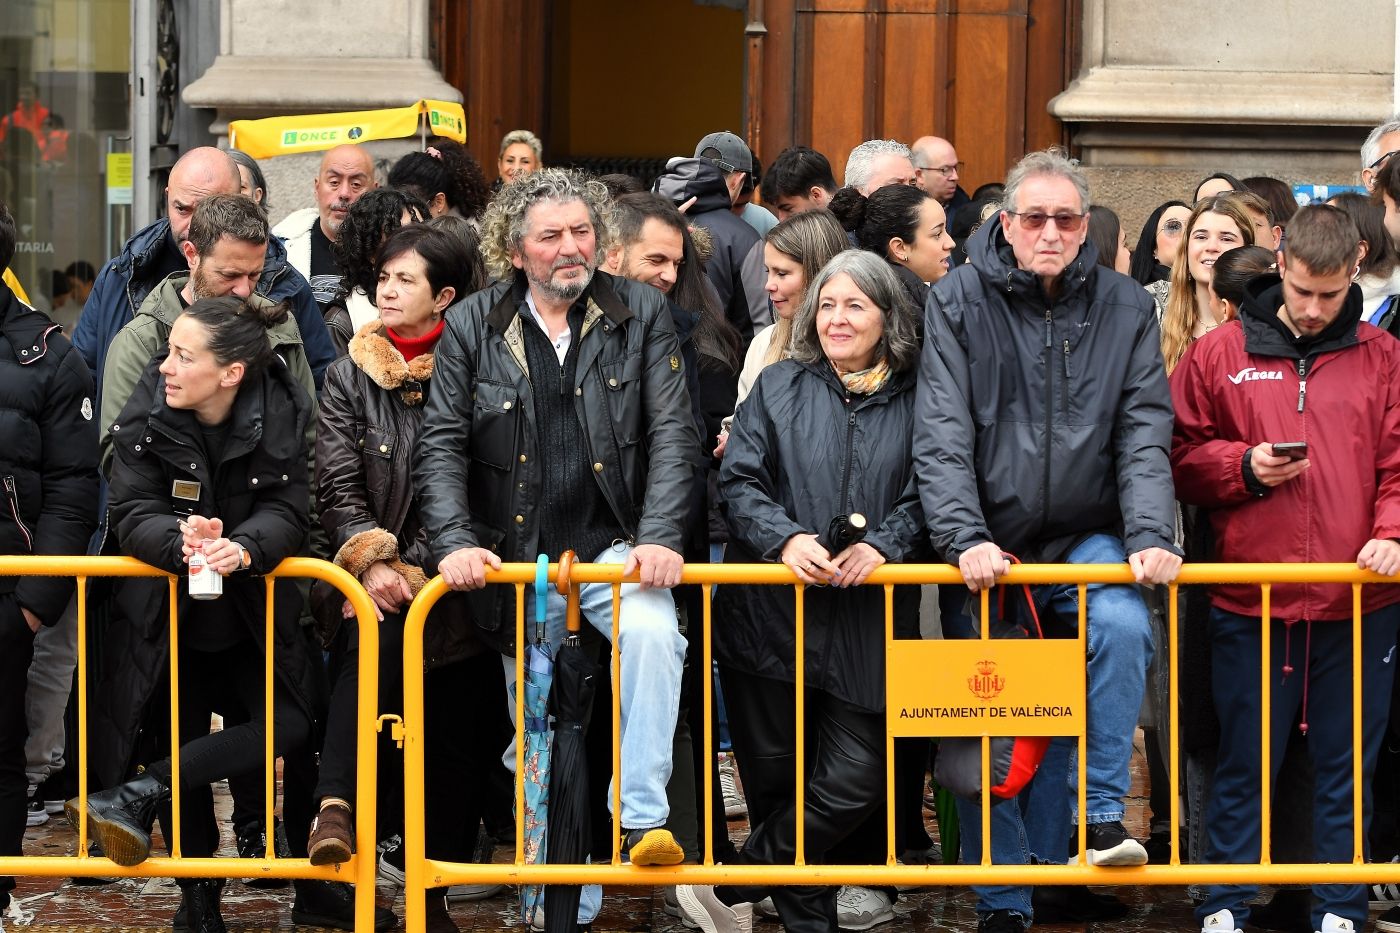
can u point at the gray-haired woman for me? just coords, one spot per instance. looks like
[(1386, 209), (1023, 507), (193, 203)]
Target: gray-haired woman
[(823, 434)]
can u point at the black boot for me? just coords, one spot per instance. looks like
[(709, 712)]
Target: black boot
[(332, 904), (199, 906), (120, 819), (438, 920), (1074, 903)]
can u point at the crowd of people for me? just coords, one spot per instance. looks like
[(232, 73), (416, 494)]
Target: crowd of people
[(427, 374)]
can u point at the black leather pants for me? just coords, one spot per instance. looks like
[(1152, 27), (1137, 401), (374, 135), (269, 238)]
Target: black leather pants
[(845, 782)]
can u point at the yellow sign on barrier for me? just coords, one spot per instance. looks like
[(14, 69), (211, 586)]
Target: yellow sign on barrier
[(315, 132), (992, 687)]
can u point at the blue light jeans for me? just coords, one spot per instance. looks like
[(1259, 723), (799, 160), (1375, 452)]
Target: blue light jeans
[(1322, 660), (1119, 651), (652, 655)]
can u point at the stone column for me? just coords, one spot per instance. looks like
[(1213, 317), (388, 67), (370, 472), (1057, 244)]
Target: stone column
[(1175, 91), (285, 57)]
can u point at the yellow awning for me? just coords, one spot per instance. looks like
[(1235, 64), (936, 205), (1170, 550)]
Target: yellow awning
[(316, 132)]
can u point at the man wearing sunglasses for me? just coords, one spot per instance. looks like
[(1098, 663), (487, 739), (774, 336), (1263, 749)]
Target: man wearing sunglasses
[(1042, 426)]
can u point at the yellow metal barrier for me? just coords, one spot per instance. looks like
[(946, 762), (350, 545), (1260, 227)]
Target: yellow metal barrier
[(423, 873), (360, 869)]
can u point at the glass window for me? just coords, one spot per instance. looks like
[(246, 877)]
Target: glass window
[(64, 67)]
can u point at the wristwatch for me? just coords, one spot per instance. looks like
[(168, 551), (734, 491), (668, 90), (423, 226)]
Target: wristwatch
[(245, 557)]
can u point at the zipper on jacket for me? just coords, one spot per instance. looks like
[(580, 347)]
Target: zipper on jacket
[(850, 453), (1064, 395), (1302, 383), (1049, 412), (13, 496)]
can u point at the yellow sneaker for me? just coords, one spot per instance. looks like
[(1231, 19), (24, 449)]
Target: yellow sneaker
[(652, 847)]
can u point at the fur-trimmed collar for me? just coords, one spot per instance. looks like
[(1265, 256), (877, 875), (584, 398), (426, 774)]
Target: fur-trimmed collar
[(372, 352)]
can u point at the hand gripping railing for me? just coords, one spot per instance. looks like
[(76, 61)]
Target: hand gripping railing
[(361, 867)]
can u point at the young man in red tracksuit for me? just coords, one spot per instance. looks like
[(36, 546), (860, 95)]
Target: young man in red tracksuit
[(1296, 367)]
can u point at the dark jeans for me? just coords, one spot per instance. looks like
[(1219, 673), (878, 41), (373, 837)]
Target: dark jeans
[(845, 783), (16, 649), (1323, 665), (228, 682)]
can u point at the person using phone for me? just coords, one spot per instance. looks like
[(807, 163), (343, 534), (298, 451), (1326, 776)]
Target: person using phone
[(1288, 430)]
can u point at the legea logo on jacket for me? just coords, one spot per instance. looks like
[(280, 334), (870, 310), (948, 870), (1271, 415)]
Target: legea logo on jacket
[(1250, 374)]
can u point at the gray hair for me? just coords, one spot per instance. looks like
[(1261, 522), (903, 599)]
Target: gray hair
[(1053, 162), (503, 226), (521, 136), (860, 164), (1371, 148), (899, 344)]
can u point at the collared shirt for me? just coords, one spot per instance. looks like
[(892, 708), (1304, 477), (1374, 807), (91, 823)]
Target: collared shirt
[(562, 342)]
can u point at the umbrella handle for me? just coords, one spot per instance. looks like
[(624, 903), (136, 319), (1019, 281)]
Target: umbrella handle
[(541, 594), (562, 584)]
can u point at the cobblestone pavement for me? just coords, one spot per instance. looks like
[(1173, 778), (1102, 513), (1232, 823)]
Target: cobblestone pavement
[(149, 904)]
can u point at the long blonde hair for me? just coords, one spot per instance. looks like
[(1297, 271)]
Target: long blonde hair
[(1179, 320), (810, 239)]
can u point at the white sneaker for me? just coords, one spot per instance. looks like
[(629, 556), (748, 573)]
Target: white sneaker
[(1222, 921), (734, 805), (35, 814), (473, 892), (1385, 895), (698, 902), (860, 908), (1331, 923), (672, 908)]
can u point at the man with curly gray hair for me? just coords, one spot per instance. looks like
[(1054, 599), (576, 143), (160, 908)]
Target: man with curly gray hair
[(559, 419)]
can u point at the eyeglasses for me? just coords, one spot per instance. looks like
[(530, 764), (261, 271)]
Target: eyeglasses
[(1034, 220), (1172, 227), (1383, 159), (944, 170)]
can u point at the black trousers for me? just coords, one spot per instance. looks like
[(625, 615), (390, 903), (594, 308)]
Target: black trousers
[(845, 783), (462, 742), (230, 683), (16, 650)]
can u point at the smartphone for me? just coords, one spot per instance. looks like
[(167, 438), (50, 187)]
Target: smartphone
[(1293, 450)]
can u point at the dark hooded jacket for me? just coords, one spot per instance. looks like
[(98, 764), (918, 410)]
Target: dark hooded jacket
[(476, 472), (1041, 421), (802, 450), (147, 259), (48, 462), (733, 238), (259, 488), (1251, 380)]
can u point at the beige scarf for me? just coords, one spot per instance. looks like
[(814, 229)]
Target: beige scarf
[(867, 381)]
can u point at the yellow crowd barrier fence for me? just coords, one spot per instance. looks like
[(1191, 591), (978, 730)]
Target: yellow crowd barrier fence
[(360, 869), (423, 873)]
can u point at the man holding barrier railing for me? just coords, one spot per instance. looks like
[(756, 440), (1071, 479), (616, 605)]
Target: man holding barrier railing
[(1288, 430), (1041, 430), (559, 419)]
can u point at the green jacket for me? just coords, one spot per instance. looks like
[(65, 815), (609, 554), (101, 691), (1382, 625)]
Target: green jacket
[(144, 338)]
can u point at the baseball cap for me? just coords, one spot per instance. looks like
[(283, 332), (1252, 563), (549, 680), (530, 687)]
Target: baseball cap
[(727, 150)]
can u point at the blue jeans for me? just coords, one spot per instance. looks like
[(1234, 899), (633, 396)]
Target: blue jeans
[(652, 653), (1119, 651), (1322, 662)]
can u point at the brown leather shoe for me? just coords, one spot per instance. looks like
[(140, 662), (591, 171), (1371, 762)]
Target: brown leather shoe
[(332, 837)]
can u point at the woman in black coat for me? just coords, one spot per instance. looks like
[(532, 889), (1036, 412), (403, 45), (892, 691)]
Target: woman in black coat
[(823, 434), (209, 455)]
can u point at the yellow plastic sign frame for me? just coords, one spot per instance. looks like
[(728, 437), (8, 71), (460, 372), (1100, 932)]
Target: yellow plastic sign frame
[(994, 687), (277, 136)]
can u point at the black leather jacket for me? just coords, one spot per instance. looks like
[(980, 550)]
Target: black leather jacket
[(475, 473), (1041, 421), (371, 407)]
